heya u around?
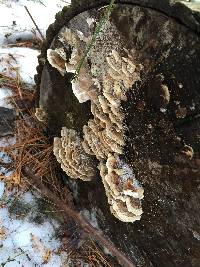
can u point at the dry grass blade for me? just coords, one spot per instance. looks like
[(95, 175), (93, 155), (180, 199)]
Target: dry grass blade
[(91, 254), (94, 255)]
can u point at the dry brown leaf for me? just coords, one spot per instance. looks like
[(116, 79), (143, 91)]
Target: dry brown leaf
[(46, 256), (2, 233)]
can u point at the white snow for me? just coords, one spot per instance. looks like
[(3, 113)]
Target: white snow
[(4, 158), (14, 18), (34, 239), (4, 93), (4, 141), (2, 187), (24, 62), (28, 197), (16, 24)]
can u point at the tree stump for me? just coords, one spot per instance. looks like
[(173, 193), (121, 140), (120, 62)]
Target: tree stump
[(163, 126)]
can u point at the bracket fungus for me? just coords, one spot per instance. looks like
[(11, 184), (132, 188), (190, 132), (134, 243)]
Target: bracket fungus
[(71, 155), (56, 60), (105, 84), (122, 189)]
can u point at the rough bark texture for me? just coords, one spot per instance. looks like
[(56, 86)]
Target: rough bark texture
[(160, 143)]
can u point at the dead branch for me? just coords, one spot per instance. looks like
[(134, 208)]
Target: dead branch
[(34, 23), (87, 227)]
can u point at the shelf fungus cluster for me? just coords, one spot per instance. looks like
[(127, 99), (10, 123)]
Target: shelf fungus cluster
[(71, 155), (105, 84), (122, 189)]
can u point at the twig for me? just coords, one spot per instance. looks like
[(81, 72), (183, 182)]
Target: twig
[(34, 23), (66, 2), (87, 227)]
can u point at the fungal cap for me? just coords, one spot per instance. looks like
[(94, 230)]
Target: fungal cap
[(56, 61), (70, 153)]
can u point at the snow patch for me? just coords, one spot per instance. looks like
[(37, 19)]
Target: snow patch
[(28, 198), (2, 188), (4, 93), (23, 61), (22, 235), (5, 141), (14, 17)]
